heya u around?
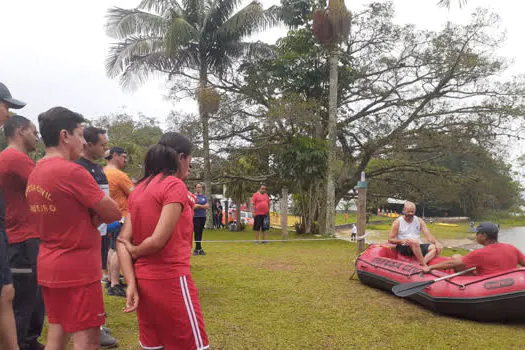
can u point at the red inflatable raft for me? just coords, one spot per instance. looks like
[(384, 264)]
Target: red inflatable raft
[(496, 297)]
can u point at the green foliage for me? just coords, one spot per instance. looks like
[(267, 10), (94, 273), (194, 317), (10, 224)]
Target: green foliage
[(135, 136)]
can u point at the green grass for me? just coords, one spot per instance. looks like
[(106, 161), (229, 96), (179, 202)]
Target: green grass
[(352, 217), (297, 295)]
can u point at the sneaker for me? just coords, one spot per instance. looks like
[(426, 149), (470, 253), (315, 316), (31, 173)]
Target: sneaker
[(264, 242), (117, 291), (105, 329), (201, 252), (106, 340), (196, 252)]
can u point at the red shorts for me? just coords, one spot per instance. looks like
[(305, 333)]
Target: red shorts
[(75, 308), (170, 315)]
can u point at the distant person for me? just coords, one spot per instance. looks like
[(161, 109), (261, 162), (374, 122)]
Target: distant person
[(199, 218), (155, 250), (94, 150), (494, 257), (346, 218), (405, 234), (354, 232), (69, 206), (120, 187), (24, 239), (261, 209), (219, 210), (8, 336)]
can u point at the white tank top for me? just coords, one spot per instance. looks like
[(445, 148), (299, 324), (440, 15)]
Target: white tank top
[(409, 230)]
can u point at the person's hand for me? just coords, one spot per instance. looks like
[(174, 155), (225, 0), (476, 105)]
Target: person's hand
[(425, 269), (131, 248), (405, 242), (96, 220), (132, 298)]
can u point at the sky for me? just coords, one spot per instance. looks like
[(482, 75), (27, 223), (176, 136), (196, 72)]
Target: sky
[(52, 52)]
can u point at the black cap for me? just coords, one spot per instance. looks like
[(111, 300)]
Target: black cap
[(6, 97), (487, 227), (113, 150)]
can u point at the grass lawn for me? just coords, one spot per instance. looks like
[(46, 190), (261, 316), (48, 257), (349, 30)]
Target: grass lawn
[(297, 295)]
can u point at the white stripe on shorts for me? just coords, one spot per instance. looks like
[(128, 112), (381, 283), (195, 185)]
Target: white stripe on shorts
[(191, 313), (151, 347)]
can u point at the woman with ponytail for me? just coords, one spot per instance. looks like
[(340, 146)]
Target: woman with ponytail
[(155, 247)]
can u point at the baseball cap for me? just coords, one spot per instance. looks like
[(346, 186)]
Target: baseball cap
[(113, 150), (5, 96), (488, 228)]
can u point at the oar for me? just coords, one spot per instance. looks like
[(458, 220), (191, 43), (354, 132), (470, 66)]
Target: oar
[(407, 289)]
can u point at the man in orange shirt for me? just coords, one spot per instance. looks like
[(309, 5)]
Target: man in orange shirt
[(120, 187)]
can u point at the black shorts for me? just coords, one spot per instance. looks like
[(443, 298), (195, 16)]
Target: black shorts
[(5, 270), (258, 223), (407, 251), (104, 248)]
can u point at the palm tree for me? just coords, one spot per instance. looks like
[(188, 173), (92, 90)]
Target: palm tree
[(203, 37), (447, 3)]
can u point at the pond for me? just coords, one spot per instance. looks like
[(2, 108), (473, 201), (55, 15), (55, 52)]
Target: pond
[(514, 236)]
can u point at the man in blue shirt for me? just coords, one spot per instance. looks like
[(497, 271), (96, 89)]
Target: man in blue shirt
[(199, 218)]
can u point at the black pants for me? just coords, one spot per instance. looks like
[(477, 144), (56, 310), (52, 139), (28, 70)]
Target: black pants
[(28, 304), (198, 227)]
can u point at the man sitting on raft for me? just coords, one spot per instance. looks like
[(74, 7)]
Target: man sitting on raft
[(405, 234), (493, 257)]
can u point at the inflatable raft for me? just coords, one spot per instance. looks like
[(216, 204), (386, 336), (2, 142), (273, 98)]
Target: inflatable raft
[(496, 297)]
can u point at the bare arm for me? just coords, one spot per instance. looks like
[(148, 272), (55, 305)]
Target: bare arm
[(107, 210), (168, 220), (426, 232), (449, 264), (393, 234), (126, 265)]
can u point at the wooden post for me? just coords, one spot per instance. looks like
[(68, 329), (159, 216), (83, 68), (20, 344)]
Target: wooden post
[(361, 212), (284, 213)]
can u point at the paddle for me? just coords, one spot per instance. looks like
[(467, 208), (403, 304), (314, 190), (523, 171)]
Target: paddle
[(407, 289)]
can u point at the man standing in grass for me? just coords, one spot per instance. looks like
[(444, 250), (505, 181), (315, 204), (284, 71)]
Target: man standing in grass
[(95, 149), (68, 206), (15, 167), (8, 339), (120, 187), (261, 209)]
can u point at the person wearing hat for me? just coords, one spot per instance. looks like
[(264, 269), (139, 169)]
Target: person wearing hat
[(8, 338), (120, 187), (493, 257)]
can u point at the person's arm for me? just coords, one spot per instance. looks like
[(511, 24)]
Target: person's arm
[(453, 263), (254, 205), (429, 236), (126, 265), (126, 184), (107, 210), (168, 220), (393, 234)]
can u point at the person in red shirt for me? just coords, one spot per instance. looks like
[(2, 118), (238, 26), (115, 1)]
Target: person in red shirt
[(15, 167), (68, 206), (492, 258), (261, 209), (8, 339), (157, 234)]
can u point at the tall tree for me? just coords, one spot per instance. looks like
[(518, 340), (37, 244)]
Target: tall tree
[(194, 39)]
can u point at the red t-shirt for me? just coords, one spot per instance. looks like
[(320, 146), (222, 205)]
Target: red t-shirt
[(145, 205), (60, 193), (493, 258), (262, 203), (15, 167)]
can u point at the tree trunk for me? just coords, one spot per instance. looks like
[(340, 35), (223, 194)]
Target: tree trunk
[(204, 117), (332, 121), (238, 215)]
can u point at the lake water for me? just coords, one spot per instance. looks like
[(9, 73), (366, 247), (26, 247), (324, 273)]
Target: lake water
[(514, 236)]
